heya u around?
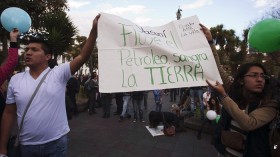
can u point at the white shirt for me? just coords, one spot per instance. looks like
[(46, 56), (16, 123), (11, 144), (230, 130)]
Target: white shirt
[(206, 97), (46, 118)]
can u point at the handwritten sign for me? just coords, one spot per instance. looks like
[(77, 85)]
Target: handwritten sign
[(134, 58)]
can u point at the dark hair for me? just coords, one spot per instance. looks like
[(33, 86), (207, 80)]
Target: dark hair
[(52, 63), (93, 75), (236, 89), (45, 45), (154, 118), (215, 106), (47, 49)]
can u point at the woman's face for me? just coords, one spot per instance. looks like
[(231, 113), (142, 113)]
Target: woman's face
[(213, 101), (254, 80)]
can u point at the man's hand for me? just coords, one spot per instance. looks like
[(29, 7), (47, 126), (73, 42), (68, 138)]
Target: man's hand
[(206, 32), (94, 24)]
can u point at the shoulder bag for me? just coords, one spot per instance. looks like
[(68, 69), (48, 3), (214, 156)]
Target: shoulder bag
[(168, 129), (13, 144)]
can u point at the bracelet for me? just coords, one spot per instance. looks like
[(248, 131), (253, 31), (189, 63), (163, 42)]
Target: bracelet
[(211, 42)]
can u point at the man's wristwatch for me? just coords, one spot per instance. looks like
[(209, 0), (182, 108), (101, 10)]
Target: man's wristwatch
[(2, 155)]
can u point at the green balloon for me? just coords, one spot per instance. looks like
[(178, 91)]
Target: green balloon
[(264, 36), (218, 118)]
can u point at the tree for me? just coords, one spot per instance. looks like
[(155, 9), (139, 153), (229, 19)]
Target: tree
[(59, 30), (79, 42), (273, 12), (270, 64), (38, 10), (93, 60), (231, 49)]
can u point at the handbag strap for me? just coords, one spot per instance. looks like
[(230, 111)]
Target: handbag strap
[(28, 105)]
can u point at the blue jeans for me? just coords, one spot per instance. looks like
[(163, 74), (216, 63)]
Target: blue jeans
[(57, 148), (126, 99), (197, 92)]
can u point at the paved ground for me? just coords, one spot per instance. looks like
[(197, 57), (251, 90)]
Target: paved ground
[(93, 136)]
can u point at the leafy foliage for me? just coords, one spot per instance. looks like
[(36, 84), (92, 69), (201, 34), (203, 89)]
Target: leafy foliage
[(92, 63), (49, 21), (59, 31)]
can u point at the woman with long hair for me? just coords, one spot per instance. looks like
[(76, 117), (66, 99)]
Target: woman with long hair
[(248, 109), (250, 86)]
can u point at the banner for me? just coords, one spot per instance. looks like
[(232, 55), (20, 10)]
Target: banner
[(134, 58)]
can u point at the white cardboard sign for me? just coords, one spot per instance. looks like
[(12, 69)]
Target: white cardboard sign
[(134, 58)]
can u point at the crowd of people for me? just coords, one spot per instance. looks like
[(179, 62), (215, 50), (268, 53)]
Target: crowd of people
[(247, 105)]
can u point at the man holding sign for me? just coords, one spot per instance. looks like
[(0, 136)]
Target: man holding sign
[(44, 135)]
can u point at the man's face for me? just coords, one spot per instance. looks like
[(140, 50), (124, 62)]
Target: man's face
[(35, 55)]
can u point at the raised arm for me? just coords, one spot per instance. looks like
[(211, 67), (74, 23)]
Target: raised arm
[(87, 49), (256, 119), (11, 62), (224, 75)]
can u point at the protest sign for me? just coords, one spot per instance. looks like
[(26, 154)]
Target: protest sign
[(133, 57), (158, 131)]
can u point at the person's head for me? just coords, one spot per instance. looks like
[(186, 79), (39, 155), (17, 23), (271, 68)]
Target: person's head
[(154, 119), (213, 101), (175, 109), (52, 63), (37, 53), (93, 75), (250, 79), (214, 104)]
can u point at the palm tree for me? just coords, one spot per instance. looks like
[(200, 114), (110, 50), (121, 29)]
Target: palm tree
[(59, 30)]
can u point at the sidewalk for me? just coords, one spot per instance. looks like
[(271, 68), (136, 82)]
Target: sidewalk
[(94, 136), (193, 123)]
